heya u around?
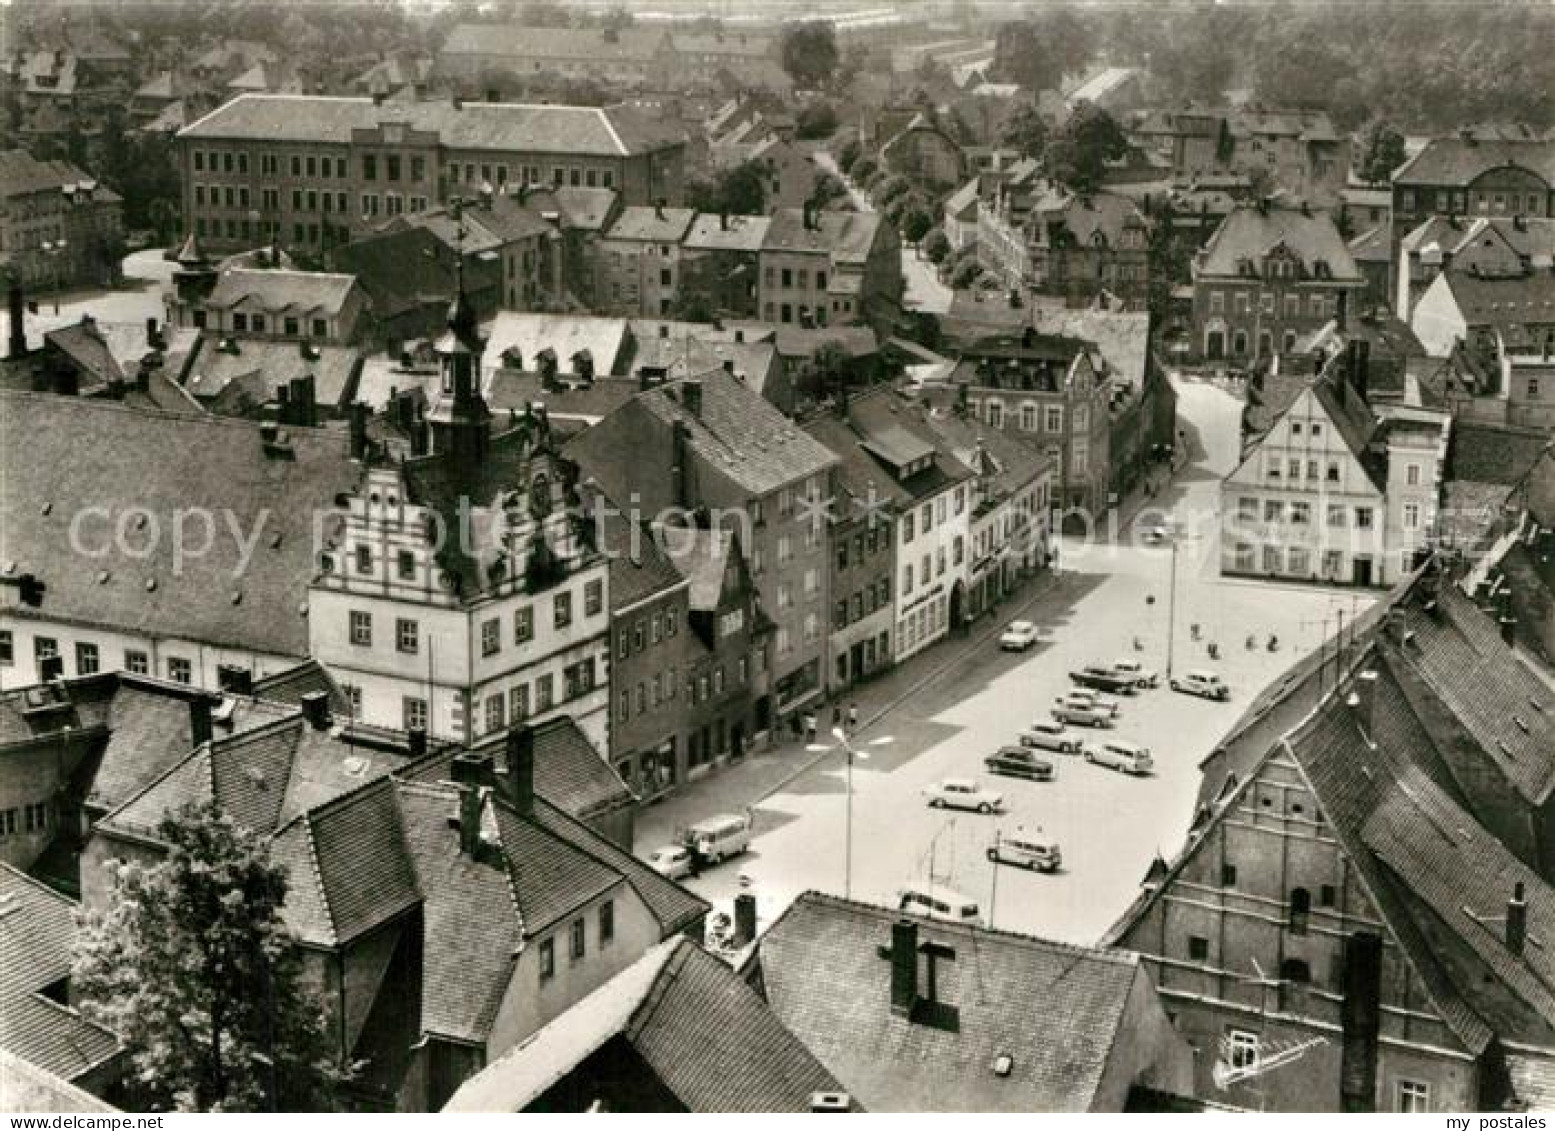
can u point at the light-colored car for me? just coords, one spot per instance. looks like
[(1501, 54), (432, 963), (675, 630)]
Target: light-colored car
[(935, 901), (963, 793), (1049, 734), (1033, 850), (672, 861), (1117, 754), (1206, 685), (1091, 698), (1081, 714), (1143, 677), (1018, 636)]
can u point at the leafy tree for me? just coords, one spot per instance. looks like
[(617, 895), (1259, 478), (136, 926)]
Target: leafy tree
[(936, 246), (739, 190), (1025, 131), (864, 168), (849, 155), (817, 120), (825, 372), (1078, 156), (827, 190), (192, 966), (1381, 150), (916, 221), (692, 306), (967, 271), (1020, 55), (891, 188), (809, 53)]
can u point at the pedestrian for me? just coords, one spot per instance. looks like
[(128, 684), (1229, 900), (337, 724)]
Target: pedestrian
[(836, 715), (809, 727), (853, 716)]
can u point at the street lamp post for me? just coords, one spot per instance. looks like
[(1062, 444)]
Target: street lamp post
[(1171, 611), (54, 250), (847, 836)]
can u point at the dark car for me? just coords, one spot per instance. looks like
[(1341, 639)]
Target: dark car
[(1019, 762), (1104, 679)]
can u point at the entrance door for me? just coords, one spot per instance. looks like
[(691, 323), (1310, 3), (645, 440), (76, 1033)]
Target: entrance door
[(1360, 570), (1215, 345)]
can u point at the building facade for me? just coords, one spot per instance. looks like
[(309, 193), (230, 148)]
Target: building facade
[(58, 226)]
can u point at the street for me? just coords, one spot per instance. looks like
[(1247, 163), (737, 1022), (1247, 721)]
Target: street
[(1109, 825), (139, 297)]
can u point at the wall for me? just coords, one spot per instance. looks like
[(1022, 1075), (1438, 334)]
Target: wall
[(926, 608)]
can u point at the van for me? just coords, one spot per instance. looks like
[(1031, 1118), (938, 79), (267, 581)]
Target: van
[(934, 901), (1120, 755), (1026, 850), (719, 837)]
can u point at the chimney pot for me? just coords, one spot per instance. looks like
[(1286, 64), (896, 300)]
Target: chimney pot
[(904, 967), (315, 708), (199, 720), (744, 918), (519, 774)]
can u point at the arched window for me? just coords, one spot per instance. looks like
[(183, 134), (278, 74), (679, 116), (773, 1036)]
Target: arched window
[(1295, 970), (1300, 908)]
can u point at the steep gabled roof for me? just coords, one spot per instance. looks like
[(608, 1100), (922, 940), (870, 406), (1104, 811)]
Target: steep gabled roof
[(1458, 161), (1251, 233)]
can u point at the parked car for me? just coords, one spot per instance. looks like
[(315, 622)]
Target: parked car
[(1206, 685), (1033, 850), (1018, 636), (935, 901), (1092, 698), (963, 793), (1049, 734), (1155, 533), (718, 837), (672, 861), (1082, 714), (1142, 676), (1019, 762), (1103, 678), (1117, 754)]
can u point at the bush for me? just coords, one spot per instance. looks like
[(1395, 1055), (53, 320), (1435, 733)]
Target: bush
[(864, 168), (936, 245), (892, 187), (817, 120), (916, 222), (849, 155), (967, 272)]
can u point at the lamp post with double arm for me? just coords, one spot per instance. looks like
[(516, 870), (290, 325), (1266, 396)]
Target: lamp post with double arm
[(844, 743)]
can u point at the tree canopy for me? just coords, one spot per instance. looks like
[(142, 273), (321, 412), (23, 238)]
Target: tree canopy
[(1380, 150), (809, 53), (1077, 156), (192, 966), (739, 190)]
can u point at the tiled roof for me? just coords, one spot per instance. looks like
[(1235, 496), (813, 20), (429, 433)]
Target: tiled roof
[(86, 347), (711, 232), (516, 390), (651, 225), (1085, 217), (1503, 300), (880, 433), (846, 236), (639, 567), (1493, 453), (823, 974), (26, 1087), (665, 1006), (1271, 398), (1249, 234), (1372, 246), (21, 173), (280, 292), (37, 938), (569, 772), (705, 562), (566, 335), (239, 374), (411, 269), (289, 686), (1015, 463), (613, 132), (740, 434), (64, 454), (1454, 161)]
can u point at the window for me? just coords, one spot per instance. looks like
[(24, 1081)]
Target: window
[(414, 711), (1273, 510), (547, 959), (523, 624), (1333, 465), (407, 636), (361, 629), (1300, 513), (545, 692), (1228, 875), (496, 712), (1300, 909), (577, 944), (593, 598), (1412, 475), (405, 565), (179, 670), (562, 610), (491, 637), (1242, 1048), (7, 647), (86, 658), (1363, 518), (1413, 1098), (607, 921), (518, 703), (1411, 516), (369, 167), (1247, 509), (1198, 948), (136, 662)]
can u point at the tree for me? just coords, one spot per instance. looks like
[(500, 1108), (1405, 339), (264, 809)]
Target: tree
[(1020, 55), (891, 188), (825, 372), (966, 272), (817, 120), (849, 154), (1381, 150), (739, 190), (192, 966), (936, 245), (916, 221), (864, 168), (1077, 158), (1025, 131), (827, 190), (809, 53), (544, 13)]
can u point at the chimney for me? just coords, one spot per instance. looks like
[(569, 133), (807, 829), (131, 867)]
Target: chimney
[(904, 967), (416, 741), (680, 469), (1516, 920), (315, 708), (826, 1103), (658, 208), (16, 305), (153, 334), (1342, 310), (691, 397), (357, 420), (1508, 624), (1363, 699), (1360, 1019), (519, 774), (745, 918), (199, 720)]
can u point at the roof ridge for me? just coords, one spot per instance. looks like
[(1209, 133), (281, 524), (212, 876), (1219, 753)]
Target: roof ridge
[(318, 873)]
